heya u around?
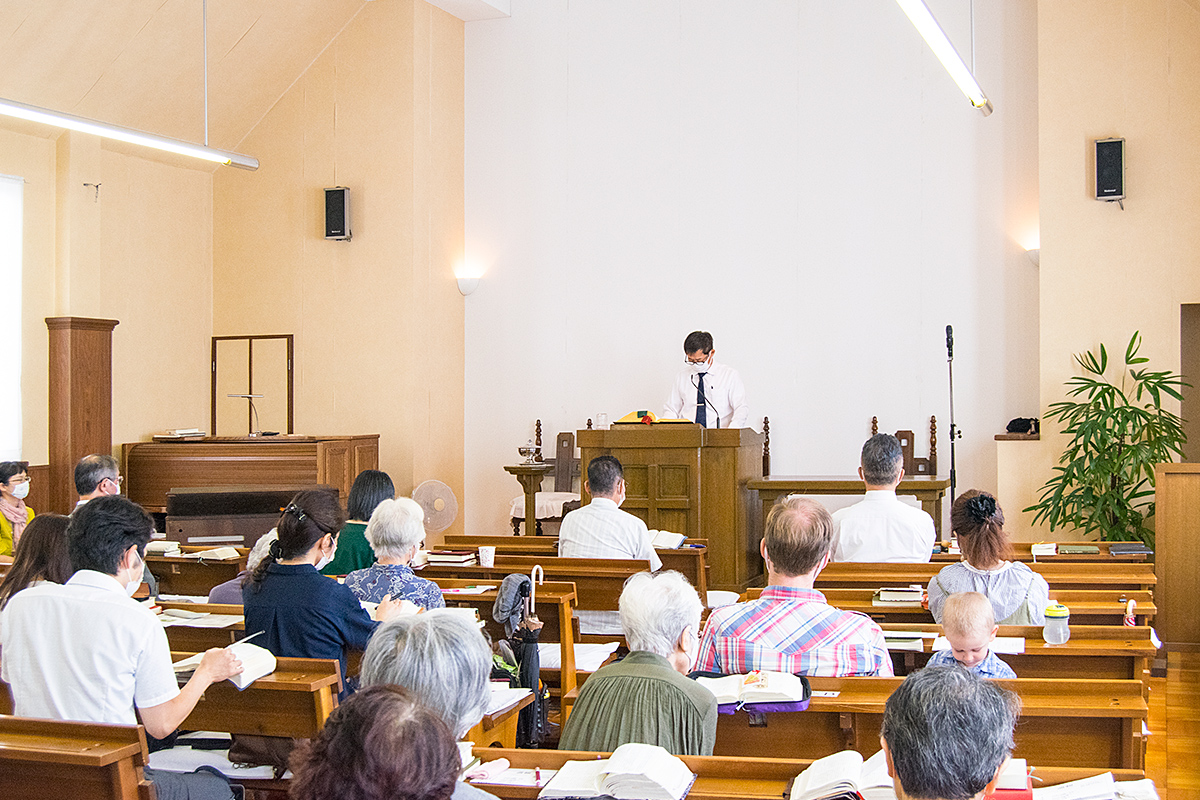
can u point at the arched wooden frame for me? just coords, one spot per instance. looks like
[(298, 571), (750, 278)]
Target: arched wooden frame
[(250, 340)]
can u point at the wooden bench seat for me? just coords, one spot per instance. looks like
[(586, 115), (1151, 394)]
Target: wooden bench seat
[(1060, 575), (1100, 607), (724, 777), (177, 575), (75, 760), (1064, 722)]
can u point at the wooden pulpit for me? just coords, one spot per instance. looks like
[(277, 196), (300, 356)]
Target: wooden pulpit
[(692, 480)]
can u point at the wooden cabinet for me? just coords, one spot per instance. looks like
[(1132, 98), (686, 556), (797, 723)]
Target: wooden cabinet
[(152, 469), (692, 480)]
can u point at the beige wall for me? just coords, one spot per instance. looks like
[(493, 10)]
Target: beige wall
[(1129, 69), (378, 320), (140, 253)]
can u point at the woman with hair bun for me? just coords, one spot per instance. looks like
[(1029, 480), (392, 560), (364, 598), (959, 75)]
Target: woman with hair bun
[(300, 612), (1018, 595)]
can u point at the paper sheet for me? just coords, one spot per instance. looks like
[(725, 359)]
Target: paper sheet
[(588, 657), (504, 698), (1010, 645), (185, 759)]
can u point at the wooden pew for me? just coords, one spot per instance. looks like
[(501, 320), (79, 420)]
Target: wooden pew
[(1102, 652), (197, 640), (1022, 552), (723, 777), (294, 700), (177, 575), (1100, 607), (1064, 722), (679, 559), (693, 563), (76, 760), (1060, 575)]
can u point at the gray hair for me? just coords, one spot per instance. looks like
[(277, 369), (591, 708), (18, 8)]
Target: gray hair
[(948, 731), (396, 527), (655, 610), (882, 459), (439, 656), (260, 550), (93, 470)]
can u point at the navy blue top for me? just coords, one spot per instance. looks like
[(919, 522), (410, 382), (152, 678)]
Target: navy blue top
[(304, 614)]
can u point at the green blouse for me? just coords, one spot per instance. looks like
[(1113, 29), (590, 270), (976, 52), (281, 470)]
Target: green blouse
[(353, 552), (6, 532), (642, 699)]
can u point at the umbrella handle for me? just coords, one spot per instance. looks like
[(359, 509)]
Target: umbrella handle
[(536, 575)]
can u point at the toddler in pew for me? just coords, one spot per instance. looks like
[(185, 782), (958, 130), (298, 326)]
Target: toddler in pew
[(970, 627)]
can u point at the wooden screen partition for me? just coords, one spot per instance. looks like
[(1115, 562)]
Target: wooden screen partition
[(692, 480), (80, 398), (1176, 559)]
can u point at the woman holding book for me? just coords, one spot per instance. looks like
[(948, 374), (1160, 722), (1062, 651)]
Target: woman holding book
[(396, 530), (646, 697), (1018, 595), (370, 488), (300, 612)]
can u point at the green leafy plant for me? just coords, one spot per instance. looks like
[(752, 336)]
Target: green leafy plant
[(1104, 482)]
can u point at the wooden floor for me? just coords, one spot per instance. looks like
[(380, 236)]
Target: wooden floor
[(1173, 752)]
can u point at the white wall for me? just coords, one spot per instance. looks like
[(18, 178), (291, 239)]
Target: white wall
[(799, 177)]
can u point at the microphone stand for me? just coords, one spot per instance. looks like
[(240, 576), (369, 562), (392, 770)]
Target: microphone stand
[(954, 432)]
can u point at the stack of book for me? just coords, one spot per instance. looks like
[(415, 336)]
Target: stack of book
[(899, 596)]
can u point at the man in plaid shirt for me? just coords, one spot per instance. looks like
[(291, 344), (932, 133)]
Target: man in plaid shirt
[(791, 628)]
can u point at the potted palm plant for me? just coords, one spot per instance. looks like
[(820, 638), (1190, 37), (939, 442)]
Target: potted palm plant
[(1104, 481)]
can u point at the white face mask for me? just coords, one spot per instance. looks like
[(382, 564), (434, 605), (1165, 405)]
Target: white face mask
[(131, 586), (699, 369), (325, 559), (22, 491)]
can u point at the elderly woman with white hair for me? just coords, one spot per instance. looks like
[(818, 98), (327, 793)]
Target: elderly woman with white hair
[(442, 659), (647, 696), (395, 532)]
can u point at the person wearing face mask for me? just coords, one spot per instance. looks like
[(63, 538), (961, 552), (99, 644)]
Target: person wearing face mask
[(790, 627), (602, 530), (98, 475), (86, 651), (707, 392), (300, 612), (14, 514), (646, 697)]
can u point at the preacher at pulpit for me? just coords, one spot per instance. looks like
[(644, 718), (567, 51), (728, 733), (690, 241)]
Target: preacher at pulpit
[(707, 392)]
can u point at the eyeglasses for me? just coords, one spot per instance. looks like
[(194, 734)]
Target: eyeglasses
[(17, 480), (701, 361), (117, 480)]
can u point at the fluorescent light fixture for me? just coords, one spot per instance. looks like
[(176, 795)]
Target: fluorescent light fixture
[(11, 108), (936, 38)]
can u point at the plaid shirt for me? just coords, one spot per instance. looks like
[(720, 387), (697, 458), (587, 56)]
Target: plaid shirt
[(792, 630), (990, 667)]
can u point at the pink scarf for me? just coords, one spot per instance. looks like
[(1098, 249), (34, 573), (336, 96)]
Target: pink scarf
[(17, 515)]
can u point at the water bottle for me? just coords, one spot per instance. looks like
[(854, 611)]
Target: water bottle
[(1057, 631)]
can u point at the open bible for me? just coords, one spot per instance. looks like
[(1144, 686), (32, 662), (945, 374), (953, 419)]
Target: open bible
[(845, 776), (632, 772)]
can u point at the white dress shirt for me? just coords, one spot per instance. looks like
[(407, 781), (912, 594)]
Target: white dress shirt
[(602, 530), (724, 389), (881, 528), (84, 651)]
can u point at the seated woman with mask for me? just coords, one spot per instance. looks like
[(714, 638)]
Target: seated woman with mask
[(300, 612), (646, 697), (395, 532), (14, 514)]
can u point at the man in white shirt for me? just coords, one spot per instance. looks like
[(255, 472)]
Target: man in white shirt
[(100, 476), (602, 530), (706, 392), (880, 527), (87, 651)]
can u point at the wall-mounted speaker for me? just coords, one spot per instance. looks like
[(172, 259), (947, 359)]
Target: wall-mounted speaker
[(1110, 169), (337, 213)]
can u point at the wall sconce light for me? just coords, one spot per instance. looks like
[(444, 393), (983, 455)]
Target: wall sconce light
[(467, 285), (1034, 254)]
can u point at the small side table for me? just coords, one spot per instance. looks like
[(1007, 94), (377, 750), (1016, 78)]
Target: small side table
[(530, 477)]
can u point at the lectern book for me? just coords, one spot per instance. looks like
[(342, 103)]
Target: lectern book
[(632, 772), (845, 776)]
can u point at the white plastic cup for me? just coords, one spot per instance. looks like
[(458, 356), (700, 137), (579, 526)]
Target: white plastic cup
[(602, 421), (487, 555)]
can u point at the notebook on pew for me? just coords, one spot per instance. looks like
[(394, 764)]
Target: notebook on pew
[(845, 776), (632, 772)]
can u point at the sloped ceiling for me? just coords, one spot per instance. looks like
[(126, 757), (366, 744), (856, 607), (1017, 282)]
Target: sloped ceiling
[(139, 63)]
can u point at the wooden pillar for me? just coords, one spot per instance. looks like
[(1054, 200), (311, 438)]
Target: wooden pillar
[(80, 419)]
